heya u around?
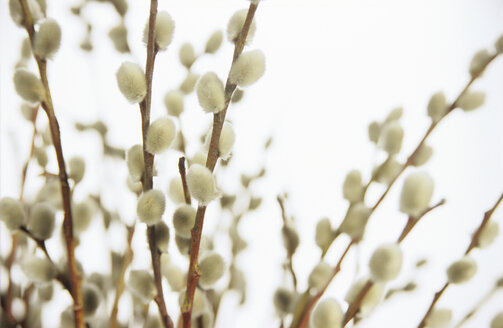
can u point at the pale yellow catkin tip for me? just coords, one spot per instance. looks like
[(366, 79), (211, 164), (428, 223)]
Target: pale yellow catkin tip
[(189, 83), (135, 162), (173, 101), (385, 263), (175, 191), (471, 100), (42, 218), (183, 220), (131, 81), (479, 62), (162, 236), (226, 142), (47, 39), (462, 270), (28, 86), (160, 135), (142, 285), (352, 188), (16, 11), (235, 26), (497, 321), (355, 221), (488, 234), (439, 318), (248, 68), (416, 194), (391, 138), (187, 55), (41, 156), (327, 314), (118, 34), (11, 213), (76, 168), (38, 269), (423, 155), (324, 233), (371, 299), (284, 300), (214, 42), (201, 183), (210, 93), (437, 106), (212, 267), (163, 31), (319, 276), (151, 206)]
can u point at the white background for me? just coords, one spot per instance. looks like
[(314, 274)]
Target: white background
[(332, 68)]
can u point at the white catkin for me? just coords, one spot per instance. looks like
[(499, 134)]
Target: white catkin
[(28, 110), (162, 236), (387, 171), (16, 12), (151, 206), (471, 100), (248, 68), (175, 191), (235, 26), (226, 142), (497, 321), (11, 213), (201, 183), (479, 62), (391, 138), (118, 35), (355, 221), (160, 135), (142, 285), (199, 158), (499, 45), (488, 234), (18, 309), (214, 42), (437, 106), (210, 93), (82, 214), (439, 318), (462, 270), (132, 82), (187, 55), (76, 168), (394, 115), (371, 299), (28, 86), (319, 276), (374, 131), (135, 162), (352, 188), (163, 31), (176, 278), (38, 269), (42, 218), (47, 39), (173, 101), (189, 83), (283, 300), (212, 268), (183, 220), (323, 235), (423, 155), (327, 314), (385, 263), (26, 49), (183, 244), (416, 193)]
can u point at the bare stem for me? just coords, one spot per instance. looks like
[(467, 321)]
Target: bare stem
[(181, 169), (479, 305)]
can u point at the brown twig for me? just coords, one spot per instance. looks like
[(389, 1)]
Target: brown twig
[(218, 121), (181, 169), (47, 105)]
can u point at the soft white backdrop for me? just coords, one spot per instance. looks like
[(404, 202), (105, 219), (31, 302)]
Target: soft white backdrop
[(332, 68)]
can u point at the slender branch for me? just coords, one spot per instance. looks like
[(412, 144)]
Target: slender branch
[(30, 155), (47, 105), (411, 222), (218, 121), (432, 305), (477, 307), (181, 169)]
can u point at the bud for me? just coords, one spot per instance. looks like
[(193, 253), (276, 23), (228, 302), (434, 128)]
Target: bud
[(290, 239), (248, 68), (173, 100), (162, 236), (91, 299), (327, 314), (284, 300), (423, 155), (42, 219), (439, 318), (26, 49), (352, 188), (45, 291), (497, 321), (387, 171), (214, 42), (28, 86), (319, 276), (187, 86), (355, 221), (183, 220), (199, 302), (151, 206), (77, 168), (175, 191), (471, 100), (416, 194), (386, 263), (437, 106), (199, 158), (323, 236), (11, 212), (462, 270), (187, 55), (394, 115), (118, 35), (227, 138), (235, 26), (176, 279), (391, 138), (374, 131), (28, 111), (201, 183), (38, 269), (160, 135), (41, 156), (210, 93), (237, 95), (488, 234), (142, 285), (163, 31), (135, 162), (47, 39), (212, 268), (82, 214), (131, 81), (479, 62), (183, 244), (370, 300)]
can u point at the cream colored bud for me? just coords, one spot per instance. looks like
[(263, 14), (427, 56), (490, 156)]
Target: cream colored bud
[(319, 276), (416, 194), (201, 183), (355, 221), (173, 100), (235, 26), (199, 158), (38, 269), (386, 263), (327, 314), (423, 155), (352, 188), (45, 291), (284, 300), (183, 244), (67, 318), (142, 285), (153, 322), (210, 93), (248, 68), (187, 55), (499, 45), (91, 299), (497, 321), (11, 213), (324, 234), (183, 220), (131, 81), (237, 95), (199, 302), (391, 138), (28, 111), (118, 34), (462, 270), (175, 191), (162, 236), (189, 83), (51, 193), (214, 42), (16, 11), (290, 239), (226, 142), (394, 115), (374, 131), (135, 162), (77, 168), (47, 39), (212, 268), (479, 62), (28, 86), (163, 31), (151, 206), (387, 171), (370, 300), (134, 185), (18, 309), (471, 100), (488, 234), (41, 156), (26, 49), (437, 106), (439, 318), (42, 218), (160, 135), (176, 278), (82, 214)]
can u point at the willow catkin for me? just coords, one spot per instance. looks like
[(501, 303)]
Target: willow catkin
[(226, 142), (355, 221), (162, 236), (187, 55), (42, 218), (135, 162), (437, 106), (132, 82), (324, 233), (352, 188), (479, 62), (163, 30), (327, 314), (76, 168), (214, 42), (201, 183), (28, 86), (319, 276), (284, 300), (497, 321), (416, 194), (385, 263), (173, 101), (118, 34), (462, 270), (38, 269), (175, 276), (47, 39), (248, 68), (370, 300), (160, 135), (391, 138), (189, 83), (175, 191), (142, 285), (488, 234), (11, 213), (235, 25), (471, 100), (210, 93), (151, 206), (183, 220), (439, 318), (212, 267), (423, 155), (91, 299)]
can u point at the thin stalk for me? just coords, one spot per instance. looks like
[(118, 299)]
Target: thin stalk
[(181, 170), (477, 307)]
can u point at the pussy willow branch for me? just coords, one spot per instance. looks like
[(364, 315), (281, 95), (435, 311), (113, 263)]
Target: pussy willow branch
[(218, 121), (148, 158), (477, 307), (473, 243), (75, 278), (181, 170), (285, 231)]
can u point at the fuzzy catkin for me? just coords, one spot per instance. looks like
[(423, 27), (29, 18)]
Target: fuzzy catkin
[(163, 30), (471, 100), (283, 300), (183, 220), (47, 39), (488, 234), (199, 302), (201, 183), (210, 93), (16, 12), (248, 68), (437, 106), (162, 236), (176, 278), (324, 234), (479, 62), (462, 270), (28, 86), (423, 155), (439, 318), (151, 206), (77, 168), (416, 193), (371, 299), (173, 100), (189, 83), (226, 142), (11, 213), (135, 162), (142, 285), (212, 268), (374, 131), (91, 299), (175, 191), (394, 115), (235, 26), (499, 45), (352, 188), (38, 269), (355, 221), (327, 314), (160, 135), (118, 35), (387, 171), (319, 276), (214, 42), (391, 138), (42, 218), (386, 263), (132, 82), (82, 214), (187, 55)]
